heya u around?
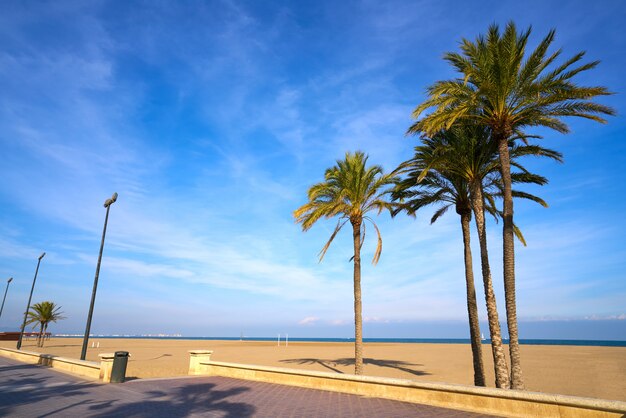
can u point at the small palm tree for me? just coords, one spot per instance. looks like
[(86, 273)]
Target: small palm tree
[(42, 314), (350, 190), (460, 167), (507, 90)]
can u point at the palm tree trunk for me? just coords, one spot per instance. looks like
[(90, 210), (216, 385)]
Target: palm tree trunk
[(43, 336), (472, 307), (508, 262), (358, 321), (499, 361), (40, 336)]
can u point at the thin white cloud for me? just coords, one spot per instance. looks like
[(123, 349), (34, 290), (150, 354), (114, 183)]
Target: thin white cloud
[(309, 320), (375, 320), (552, 318), (620, 317)]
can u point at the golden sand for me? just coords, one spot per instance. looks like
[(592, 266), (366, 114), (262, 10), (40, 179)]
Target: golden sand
[(597, 372)]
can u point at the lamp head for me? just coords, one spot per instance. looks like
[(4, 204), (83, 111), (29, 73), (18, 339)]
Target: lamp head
[(110, 201), (42, 256), (10, 280)]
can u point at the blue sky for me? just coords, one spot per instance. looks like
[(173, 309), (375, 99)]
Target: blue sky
[(211, 120)]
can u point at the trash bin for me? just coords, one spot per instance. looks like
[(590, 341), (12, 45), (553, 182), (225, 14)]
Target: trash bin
[(118, 371)]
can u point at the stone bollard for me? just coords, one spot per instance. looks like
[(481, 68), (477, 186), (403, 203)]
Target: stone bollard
[(196, 358), (106, 365)]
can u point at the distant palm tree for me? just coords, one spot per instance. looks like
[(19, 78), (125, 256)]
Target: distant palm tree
[(350, 190), (506, 90), (42, 314), (460, 167)]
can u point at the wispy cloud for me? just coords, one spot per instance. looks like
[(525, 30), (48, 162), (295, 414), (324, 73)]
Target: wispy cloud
[(552, 318), (375, 320), (620, 317), (309, 320)]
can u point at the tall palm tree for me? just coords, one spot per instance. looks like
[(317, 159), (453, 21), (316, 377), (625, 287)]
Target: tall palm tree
[(507, 90), (445, 190), (43, 313), (350, 190), (457, 167)]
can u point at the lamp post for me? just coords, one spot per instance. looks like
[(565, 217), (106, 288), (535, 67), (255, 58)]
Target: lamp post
[(19, 341), (5, 295), (107, 205)]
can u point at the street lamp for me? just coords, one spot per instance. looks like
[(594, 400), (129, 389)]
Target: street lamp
[(107, 205), (19, 341), (5, 295)]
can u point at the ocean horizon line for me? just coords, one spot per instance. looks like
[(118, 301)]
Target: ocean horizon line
[(285, 338)]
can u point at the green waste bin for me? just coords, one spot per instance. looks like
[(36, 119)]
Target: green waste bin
[(118, 372)]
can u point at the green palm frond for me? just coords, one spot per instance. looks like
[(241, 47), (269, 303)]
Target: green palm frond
[(528, 196), (350, 190), (330, 240), (528, 178), (516, 151), (444, 166), (505, 87), (43, 313), (519, 235), (379, 243), (439, 212)]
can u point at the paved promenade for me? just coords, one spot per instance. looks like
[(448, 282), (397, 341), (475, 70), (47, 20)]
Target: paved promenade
[(35, 391)]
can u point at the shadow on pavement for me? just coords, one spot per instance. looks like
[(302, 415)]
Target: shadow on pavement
[(185, 400), (23, 387), (31, 390)]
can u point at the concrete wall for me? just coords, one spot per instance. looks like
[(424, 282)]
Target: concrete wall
[(83, 368), (509, 403)]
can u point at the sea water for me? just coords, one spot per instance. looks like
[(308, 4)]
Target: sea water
[(588, 343)]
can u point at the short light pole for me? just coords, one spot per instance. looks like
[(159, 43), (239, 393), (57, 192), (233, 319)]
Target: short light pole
[(19, 341), (5, 295), (107, 205)]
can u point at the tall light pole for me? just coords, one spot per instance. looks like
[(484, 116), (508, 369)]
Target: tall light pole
[(19, 341), (5, 295), (107, 205)]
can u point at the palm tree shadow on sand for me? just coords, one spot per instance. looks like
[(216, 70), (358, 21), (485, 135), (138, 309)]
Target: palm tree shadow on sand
[(328, 364), (332, 364)]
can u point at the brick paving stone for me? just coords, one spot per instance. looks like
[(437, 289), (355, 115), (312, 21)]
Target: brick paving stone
[(35, 391)]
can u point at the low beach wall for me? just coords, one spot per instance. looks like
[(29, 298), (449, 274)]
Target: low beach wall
[(83, 368), (509, 403)]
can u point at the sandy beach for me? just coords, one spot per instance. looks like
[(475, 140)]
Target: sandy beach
[(597, 372)]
